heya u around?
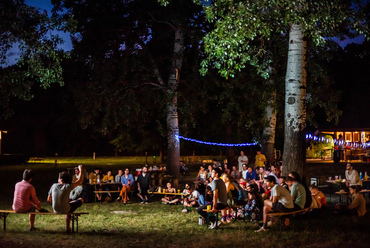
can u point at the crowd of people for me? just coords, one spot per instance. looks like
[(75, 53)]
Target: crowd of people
[(257, 190), (251, 191)]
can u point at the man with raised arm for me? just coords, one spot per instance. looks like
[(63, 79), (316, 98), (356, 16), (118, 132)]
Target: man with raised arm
[(59, 196)]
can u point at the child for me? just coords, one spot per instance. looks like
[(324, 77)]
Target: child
[(253, 208)]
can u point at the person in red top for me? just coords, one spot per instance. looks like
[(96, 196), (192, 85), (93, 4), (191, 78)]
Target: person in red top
[(25, 199)]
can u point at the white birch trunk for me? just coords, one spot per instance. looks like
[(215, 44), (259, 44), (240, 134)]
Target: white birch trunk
[(268, 144), (295, 108), (173, 154)]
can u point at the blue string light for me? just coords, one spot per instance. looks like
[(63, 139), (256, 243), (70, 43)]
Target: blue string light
[(214, 143), (338, 142)]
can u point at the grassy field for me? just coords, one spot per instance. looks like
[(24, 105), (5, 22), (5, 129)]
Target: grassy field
[(157, 225)]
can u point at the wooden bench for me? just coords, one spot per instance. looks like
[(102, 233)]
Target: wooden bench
[(210, 214), (280, 215), (74, 217), (36, 159)]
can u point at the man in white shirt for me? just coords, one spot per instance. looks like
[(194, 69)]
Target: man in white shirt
[(244, 171), (280, 201), (352, 177), (242, 159)]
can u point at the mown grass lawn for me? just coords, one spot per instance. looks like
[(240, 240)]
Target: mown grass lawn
[(156, 225)]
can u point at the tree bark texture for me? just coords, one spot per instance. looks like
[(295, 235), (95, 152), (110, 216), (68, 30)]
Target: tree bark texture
[(173, 154), (268, 143), (294, 155)]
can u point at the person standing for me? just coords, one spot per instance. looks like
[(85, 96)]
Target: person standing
[(260, 159), (59, 196), (143, 184), (242, 159), (25, 199)]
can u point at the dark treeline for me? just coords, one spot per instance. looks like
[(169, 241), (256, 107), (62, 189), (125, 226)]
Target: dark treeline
[(113, 101)]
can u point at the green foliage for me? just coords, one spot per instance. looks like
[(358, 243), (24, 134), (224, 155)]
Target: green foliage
[(243, 27), (39, 61), (320, 149)]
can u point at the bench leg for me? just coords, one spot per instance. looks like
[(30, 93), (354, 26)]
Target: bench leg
[(3, 216), (74, 219)]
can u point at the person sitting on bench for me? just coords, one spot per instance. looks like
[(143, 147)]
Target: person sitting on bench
[(219, 197), (280, 201), (25, 199), (357, 205), (127, 181), (59, 196)]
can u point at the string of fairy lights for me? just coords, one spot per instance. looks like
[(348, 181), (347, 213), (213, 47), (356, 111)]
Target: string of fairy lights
[(338, 142), (216, 143), (308, 137)]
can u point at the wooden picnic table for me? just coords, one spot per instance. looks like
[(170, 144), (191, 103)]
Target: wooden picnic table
[(166, 193)]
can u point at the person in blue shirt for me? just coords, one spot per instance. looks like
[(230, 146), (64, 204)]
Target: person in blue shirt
[(251, 174), (127, 181)]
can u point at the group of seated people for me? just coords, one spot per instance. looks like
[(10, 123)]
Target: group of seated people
[(125, 180), (255, 192)]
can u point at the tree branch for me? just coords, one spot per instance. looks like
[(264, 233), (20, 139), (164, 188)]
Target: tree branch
[(164, 22)]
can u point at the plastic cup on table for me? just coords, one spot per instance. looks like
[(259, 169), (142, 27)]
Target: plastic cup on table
[(209, 207), (164, 191)]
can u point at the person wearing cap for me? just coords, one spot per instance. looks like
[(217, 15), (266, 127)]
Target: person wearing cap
[(280, 201)]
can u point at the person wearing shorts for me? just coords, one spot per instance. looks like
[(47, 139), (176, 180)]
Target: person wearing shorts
[(219, 198), (59, 196), (280, 201)]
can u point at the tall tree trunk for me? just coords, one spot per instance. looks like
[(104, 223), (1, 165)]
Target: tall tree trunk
[(268, 143), (294, 155), (230, 154), (173, 154)]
